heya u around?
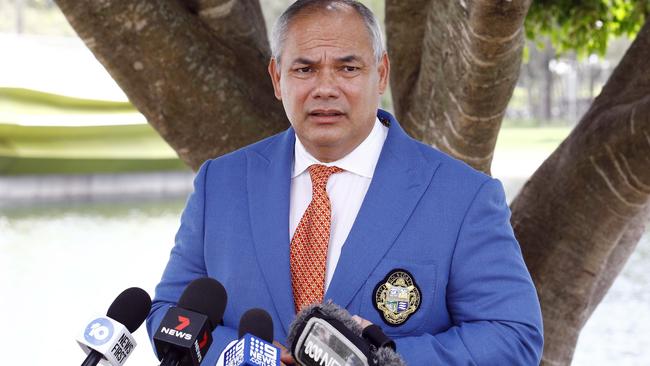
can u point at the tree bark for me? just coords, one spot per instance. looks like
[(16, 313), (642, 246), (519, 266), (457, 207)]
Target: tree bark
[(455, 66), (580, 216), (196, 69)]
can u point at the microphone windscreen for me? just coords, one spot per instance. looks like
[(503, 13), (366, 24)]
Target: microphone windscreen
[(388, 357), (130, 308), (205, 296), (330, 309), (258, 323)]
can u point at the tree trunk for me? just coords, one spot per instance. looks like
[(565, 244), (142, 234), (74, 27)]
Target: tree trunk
[(195, 69), (580, 216), (455, 66)]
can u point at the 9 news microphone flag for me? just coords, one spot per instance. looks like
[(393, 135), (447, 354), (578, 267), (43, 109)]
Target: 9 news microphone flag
[(255, 345), (108, 338)]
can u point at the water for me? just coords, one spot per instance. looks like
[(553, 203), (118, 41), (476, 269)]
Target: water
[(619, 330), (62, 265)]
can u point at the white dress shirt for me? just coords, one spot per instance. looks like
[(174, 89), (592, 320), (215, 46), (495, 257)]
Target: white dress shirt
[(346, 190)]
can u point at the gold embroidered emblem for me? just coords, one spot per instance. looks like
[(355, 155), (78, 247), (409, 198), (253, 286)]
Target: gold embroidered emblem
[(397, 297)]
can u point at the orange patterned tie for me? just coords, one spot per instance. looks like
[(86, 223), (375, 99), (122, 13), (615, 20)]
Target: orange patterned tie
[(308, 253)]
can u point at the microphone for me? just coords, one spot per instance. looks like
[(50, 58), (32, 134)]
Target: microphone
[(326, 334), (258, 323), (109, 337), (255, 343), (185, 332)]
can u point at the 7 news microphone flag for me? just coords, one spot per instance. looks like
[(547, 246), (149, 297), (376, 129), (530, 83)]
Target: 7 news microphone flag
[(108, 338), (185, 332)]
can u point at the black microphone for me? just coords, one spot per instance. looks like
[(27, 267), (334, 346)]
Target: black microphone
[(109, 337), (254, 346), (185, 332), (258, 323), (327, 334)]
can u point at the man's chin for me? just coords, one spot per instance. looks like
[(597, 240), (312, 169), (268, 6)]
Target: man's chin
[(324, 146)]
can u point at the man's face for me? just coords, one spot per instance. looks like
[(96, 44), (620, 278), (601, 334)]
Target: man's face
[(329, 81)]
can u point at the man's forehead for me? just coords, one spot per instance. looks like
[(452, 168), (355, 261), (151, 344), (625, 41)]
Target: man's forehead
[(340, 36)]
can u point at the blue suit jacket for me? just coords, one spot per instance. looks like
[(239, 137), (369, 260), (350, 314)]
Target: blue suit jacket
[(425, 212)]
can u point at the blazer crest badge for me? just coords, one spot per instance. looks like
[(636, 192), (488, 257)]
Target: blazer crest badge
[(397, 297)]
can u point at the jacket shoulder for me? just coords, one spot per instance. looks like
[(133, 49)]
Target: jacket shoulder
[(236, 160)]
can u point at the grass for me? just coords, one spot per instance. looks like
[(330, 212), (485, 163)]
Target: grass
[(512, 139), (128, 141), (46, 144), (81, 150), (19, 101), (43, 133)]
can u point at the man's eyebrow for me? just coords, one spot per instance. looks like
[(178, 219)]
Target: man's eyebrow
[(304, 61), (349, 58), (344, 59)]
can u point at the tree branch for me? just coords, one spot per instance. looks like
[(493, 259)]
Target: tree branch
[(582, 213), (455, 68), (196, 70)]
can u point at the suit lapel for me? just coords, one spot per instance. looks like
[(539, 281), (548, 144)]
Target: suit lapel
[(269, 181), (401, 177)]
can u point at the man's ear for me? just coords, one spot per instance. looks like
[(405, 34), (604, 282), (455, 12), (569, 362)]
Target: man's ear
[(383, 68), (274, 72)]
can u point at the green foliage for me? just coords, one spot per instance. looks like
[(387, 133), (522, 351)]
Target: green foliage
[(585, 26)]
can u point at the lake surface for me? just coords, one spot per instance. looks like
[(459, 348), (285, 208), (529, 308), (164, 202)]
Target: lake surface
[(61, 265)]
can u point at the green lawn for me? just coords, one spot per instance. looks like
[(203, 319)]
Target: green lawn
[(512, 139), (81, 150), (128, 141), (43, 133), (19, 101)]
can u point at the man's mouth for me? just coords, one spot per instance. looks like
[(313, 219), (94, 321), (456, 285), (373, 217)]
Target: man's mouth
[(326, 113)]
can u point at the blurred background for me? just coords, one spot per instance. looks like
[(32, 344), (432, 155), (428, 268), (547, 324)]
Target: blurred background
[(91, 196)]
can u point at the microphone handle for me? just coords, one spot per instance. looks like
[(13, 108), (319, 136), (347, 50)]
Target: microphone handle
[(171, 359), (92, 359)]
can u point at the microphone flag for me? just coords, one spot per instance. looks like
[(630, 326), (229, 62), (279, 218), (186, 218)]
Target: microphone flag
[(184, 330), (251, 350), (108, 337)]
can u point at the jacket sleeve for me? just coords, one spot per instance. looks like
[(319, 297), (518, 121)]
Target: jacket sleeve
[(490, 295), (186, 263)]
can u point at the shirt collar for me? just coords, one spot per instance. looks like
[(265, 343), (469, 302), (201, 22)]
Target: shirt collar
[(360, 161)]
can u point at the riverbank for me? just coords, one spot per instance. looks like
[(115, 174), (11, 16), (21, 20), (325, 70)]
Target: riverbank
[(42, 189)]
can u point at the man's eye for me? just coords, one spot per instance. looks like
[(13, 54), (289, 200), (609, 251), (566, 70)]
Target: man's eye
[(350, 68), (303, 70)]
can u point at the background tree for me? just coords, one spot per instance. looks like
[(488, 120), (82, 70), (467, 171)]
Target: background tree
[(197, 70)]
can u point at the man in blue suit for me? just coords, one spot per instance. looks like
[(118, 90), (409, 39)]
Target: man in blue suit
[(419, 243)]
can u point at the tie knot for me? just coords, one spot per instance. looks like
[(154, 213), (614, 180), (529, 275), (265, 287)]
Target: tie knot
[(321, 173)]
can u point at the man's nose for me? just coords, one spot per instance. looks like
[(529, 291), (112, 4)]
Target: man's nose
[(326, 85)]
